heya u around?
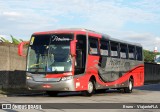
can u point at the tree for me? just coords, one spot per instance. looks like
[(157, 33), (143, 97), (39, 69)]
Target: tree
[(4, 40), (149, 56), (14, 40)]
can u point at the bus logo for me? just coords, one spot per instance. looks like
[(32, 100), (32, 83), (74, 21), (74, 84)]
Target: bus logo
[(56, 38)]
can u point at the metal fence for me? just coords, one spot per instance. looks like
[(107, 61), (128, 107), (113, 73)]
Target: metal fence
[(152, 73), (12, 79)]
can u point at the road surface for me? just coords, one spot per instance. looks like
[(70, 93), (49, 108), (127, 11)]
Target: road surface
[(145, 94)]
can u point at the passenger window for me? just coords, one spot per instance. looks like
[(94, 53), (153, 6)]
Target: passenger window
[(114, 49), (131, 53), (93, 46), (123, 51), (139, 53), (104, 48)]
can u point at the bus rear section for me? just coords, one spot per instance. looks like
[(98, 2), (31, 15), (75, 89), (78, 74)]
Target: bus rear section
[(81, 60)]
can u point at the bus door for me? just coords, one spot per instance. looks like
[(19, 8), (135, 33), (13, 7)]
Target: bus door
[(81, 54)]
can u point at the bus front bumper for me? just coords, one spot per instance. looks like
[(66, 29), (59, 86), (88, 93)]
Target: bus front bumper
[(67, 85)]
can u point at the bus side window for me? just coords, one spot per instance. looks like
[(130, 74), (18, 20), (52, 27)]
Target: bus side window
[(104, 48), (131, 53), (93, 46), (123, 51), (114, 49), (139, 53)]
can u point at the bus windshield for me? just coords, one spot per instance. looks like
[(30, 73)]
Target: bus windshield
[(49, 53)]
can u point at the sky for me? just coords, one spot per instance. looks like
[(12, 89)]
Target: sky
[(129, 20)]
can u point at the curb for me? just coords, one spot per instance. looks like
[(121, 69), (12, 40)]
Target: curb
[(1, 95)]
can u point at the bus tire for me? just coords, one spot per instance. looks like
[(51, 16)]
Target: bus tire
[(130, 87), (52, 93), (91, 88)]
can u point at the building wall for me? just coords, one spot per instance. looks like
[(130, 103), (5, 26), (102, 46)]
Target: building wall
[(9, 58), (12, 66)]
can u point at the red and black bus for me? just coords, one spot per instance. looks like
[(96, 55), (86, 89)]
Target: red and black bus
[(82, 60)]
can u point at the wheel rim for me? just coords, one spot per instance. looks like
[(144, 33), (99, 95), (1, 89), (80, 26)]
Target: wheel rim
[(130, 85), (90, 87)]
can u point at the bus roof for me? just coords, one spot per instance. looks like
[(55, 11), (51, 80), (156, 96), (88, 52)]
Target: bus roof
[(106, 37), (73, 30)]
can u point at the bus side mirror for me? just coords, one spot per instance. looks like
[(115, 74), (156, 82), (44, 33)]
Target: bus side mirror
[(73, 47), (20, 48)]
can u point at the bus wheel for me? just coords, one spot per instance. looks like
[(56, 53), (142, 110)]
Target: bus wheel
[(52, 93), (91, 88), (130, 87)]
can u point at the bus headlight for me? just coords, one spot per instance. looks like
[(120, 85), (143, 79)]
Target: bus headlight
[(66, 78), (29, 78)]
